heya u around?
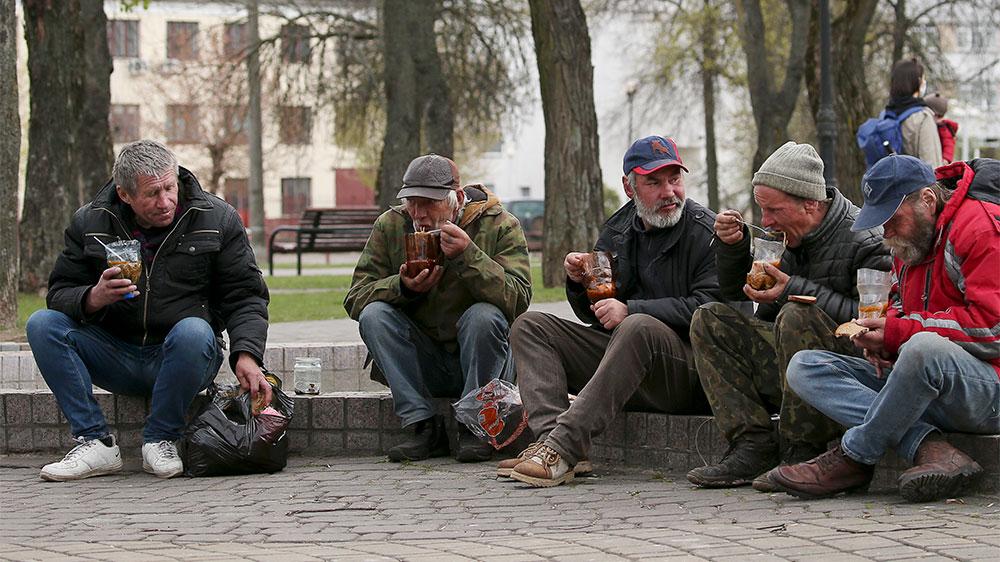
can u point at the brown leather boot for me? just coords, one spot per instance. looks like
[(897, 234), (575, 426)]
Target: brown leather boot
[(939, 471), (827, 475)]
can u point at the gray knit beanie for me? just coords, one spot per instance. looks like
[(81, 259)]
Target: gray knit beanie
[(795, 169)]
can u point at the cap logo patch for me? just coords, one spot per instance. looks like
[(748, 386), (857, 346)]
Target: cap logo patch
[(867, 188), (658, 147)]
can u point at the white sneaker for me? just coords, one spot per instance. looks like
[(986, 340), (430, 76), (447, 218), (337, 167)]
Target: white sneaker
[(89, 458), (161, 459)]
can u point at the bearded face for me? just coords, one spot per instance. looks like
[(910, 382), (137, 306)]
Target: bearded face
[(662, 213), (910, 233)]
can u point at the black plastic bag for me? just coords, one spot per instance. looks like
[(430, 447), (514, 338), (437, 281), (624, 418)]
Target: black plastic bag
[(226, 438)]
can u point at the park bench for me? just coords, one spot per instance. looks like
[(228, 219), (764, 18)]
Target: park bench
[(322, 230)]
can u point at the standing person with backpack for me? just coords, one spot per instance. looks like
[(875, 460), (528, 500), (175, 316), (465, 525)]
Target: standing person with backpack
[(919, 129), (907, 125)]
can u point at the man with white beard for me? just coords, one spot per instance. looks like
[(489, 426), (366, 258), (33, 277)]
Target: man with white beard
[(635, 353)]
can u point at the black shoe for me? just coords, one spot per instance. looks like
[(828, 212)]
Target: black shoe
[(472, 448), (744, 461), (429, 440)]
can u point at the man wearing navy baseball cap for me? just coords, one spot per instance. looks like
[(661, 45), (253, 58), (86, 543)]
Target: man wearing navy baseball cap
[(636, 349), (932, 364)]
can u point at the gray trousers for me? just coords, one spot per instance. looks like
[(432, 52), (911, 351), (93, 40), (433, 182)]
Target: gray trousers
[(643, 365)]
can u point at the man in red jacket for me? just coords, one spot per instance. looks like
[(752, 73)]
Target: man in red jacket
[(933, 363)]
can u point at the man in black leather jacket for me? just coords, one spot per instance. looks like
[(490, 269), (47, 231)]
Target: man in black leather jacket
[(636, 353), (159, 337), (741, 359)]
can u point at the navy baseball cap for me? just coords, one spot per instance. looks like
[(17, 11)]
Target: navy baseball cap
[(886, 184), (648, 155)]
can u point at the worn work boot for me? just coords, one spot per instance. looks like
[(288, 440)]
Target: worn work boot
[(744, 460), (506, 466), (430, 439), (472, 448), (543, 469), (827, 475), (793, 454), (939, 471), (92, 457)]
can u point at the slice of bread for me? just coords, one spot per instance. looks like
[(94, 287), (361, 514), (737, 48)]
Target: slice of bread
[(804, 299), (849, 330)]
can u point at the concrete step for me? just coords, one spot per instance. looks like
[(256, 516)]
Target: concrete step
[(363, 423)]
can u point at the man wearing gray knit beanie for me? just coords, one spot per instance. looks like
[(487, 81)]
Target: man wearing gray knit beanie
[(741, 360)]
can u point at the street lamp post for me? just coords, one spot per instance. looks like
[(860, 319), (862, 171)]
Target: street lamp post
[(630, 89), (826, 119)]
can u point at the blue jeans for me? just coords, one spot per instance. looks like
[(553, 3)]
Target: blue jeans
[(73, 357), (419, 368), (934, 385)]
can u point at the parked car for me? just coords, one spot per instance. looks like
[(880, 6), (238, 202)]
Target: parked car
[(531, 213)]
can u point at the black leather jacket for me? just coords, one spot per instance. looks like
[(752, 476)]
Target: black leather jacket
[(685, 264), (823, 266), (204, 268)]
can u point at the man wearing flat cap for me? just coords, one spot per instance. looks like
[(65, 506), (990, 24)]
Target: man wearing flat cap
[(932, 364), (741, 358), (442, 331), (635, 352)]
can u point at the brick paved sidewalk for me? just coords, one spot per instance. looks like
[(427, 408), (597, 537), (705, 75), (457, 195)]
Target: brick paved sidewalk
[(367, 509)]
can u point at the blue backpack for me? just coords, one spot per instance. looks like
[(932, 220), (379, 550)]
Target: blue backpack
[(880, 136)]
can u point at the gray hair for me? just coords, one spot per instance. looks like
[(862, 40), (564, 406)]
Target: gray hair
[(631, 179), (142, 158)]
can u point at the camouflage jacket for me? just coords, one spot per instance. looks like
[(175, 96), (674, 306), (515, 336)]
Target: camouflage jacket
[(494, 268), (823, 266)]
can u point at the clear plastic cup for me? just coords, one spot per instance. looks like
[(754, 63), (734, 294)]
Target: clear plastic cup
[(873, 292), (599, 278), (126, 255), (764, 251)]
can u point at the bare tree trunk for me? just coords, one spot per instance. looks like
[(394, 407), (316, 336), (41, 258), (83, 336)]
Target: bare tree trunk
[(400, 19), (573, 187), (255, 187), (437, 119), (55, 70), (852, 98), (772, 105), (95, 147), (10, 151), (709, 73), (900, 26)]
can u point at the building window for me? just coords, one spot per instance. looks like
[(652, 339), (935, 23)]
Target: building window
[(295, 43), (182, 124), (237, 123), (236, 194), (182, 40), (124, 122), (296, 195), (525, 191), (123, 38), (235, 40), (295, 124)]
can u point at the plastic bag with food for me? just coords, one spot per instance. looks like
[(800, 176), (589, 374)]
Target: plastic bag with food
[(493, 413)]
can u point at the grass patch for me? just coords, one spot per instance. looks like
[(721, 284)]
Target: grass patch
[(298, 299)]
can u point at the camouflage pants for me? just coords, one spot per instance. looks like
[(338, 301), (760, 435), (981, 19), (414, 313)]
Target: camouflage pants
[(741, 361)]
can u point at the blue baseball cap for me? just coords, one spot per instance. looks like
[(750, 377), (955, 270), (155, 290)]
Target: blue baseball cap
[(648, 155), (886, 184)]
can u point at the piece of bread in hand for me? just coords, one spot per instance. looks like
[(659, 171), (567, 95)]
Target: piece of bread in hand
[(849, 330)]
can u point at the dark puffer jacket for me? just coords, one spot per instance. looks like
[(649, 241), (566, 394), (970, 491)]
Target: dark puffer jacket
[(823, 266), (684, 264), (203, 269)]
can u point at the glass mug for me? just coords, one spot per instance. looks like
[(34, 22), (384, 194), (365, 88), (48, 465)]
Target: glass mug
[(873, 292), (764, 251), (423, 251), (599, 276)]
